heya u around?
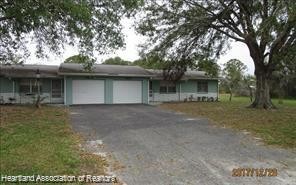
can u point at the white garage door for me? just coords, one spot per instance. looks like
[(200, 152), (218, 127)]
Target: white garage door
[(127, 91), (88, 91)]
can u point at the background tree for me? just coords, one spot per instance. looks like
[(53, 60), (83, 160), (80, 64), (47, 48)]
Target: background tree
[(16, 60), (283, 80), (187, 29), (150, 62), (78, 59), (233, 73), (116, 61), (86, 61), (209, 66), (50, 24), (289, 70), (155, 62), (249, 83)]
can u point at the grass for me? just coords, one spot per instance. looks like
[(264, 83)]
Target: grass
[(275, 127), (41, 141)]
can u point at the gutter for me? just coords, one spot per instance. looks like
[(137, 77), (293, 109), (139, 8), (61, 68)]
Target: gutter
[(188, 78), (47, 77), (104, 74)]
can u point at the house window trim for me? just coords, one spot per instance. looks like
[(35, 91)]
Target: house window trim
[(62, 89), (167, 85), (39, 88), (207, 86)]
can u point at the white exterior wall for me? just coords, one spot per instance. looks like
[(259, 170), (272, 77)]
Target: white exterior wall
[(23, 99), (159, 97), (195, 95), (164, 97)]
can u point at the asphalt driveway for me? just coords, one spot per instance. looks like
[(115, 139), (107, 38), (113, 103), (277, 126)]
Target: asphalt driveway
[(156, 146)]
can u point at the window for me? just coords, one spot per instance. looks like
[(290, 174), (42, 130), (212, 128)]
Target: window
[(150, 89), (30, 86), (25, 86), (167, 87), (202, 86), (163, 89), (172, 89)]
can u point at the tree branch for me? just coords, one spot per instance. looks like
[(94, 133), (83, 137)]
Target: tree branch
[(232, 11), (5, 18), (280, 41), (246, 16), (229, 24), (227, 33)]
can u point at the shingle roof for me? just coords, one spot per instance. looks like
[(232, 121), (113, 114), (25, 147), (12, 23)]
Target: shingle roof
[(103, 70), (48, 71), (29, 71)]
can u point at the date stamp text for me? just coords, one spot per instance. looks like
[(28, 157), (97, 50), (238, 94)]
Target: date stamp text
[(254, 172)]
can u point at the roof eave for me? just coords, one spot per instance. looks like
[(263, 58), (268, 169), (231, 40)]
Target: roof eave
[(188, 78), (24, 76), (104, 74)]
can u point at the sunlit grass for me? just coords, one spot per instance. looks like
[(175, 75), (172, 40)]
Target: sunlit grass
[(41, 141), (275, 127)]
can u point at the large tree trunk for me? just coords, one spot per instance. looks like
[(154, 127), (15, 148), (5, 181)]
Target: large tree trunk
[(263, 73), (262, 94)]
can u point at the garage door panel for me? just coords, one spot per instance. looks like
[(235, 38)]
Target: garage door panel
[(127, 91), (88, 91)]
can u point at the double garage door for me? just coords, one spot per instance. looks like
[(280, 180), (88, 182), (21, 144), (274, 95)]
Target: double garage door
[(93, 92)]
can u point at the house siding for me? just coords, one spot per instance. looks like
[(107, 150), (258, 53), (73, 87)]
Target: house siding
[(185, 89), (189, 86), (145, 88), (213, 86), (68, 91), (108, 91), (155, 85), (6, 85), (8, 91), (46, 85)]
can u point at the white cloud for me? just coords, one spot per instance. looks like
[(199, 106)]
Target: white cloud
[(238, 51), (130, 52)]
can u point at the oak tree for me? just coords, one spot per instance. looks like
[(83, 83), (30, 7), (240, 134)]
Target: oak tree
[(187, 29), (233, 74), (209, 66), (51, 24), (116, 61)]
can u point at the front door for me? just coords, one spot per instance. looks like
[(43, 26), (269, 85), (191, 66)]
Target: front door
[(57, 91)]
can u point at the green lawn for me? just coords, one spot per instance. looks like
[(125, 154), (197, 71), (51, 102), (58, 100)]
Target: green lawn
[(275, 127), (41, 141), (246, 101)]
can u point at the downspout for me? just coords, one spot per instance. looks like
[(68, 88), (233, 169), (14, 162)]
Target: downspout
[(180, 91), (30, 86), (65, 90), (217, 90), (50, 97), (13, 88), (62, 87), (148, 91)]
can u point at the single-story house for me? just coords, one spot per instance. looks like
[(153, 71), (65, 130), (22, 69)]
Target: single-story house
[(70, 84)]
